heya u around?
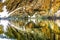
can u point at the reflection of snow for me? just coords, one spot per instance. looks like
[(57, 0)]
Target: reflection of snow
[(7, 39), (57, 22), (4, 23)]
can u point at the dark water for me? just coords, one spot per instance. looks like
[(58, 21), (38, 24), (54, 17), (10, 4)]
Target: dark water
[(17, 24)]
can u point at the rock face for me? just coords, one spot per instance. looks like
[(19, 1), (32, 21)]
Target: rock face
[(1, 6), (42, 4), (32, 6)]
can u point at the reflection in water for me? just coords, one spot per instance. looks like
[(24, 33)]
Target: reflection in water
[(29, 28), (23, 27), (4, 23), (57, 22)]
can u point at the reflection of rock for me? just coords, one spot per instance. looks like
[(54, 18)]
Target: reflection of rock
[(58, 22), (54, 27), (27, 35), (45, 28), (19, 22), (1, 29), (30, 25), (43, 23)]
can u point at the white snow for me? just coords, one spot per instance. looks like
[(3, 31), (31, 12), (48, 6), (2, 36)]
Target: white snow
[(4, 13), (58, 15)]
